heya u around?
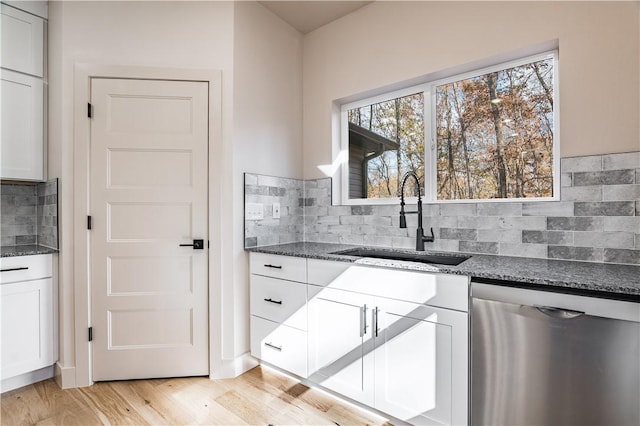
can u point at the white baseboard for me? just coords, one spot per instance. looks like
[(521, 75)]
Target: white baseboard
[(65, 376), (228, 369), (26, 379)]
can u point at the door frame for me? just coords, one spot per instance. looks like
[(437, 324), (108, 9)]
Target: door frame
[(83, 73)]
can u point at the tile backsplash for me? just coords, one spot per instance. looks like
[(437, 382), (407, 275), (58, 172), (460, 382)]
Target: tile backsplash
[(48, 213), (29, 214), (262, 192), (597, 218)]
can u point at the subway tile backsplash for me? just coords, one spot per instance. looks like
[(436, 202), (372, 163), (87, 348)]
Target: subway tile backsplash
[(264, 191), (48, 213), (597, 218), (29, 214)]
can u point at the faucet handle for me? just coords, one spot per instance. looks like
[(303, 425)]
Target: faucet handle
[(431, 238)]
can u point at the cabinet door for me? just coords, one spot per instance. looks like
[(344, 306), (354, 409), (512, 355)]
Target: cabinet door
[(27, 327), (340, 342), (22, 41), (21, 146), (421, 363)]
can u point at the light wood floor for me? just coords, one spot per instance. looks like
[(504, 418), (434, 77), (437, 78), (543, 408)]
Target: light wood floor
[(258, 397)]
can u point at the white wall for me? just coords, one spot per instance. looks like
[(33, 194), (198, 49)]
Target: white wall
[(389, 42), (162, 34), (267, 128)]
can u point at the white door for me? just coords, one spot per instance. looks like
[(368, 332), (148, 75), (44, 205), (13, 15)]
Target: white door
[(341, 343), (416, 348), (148, 195)]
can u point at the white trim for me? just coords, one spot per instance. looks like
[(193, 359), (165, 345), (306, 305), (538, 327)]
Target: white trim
[(557, 177), (83, 73), (430, 137), (235, 367), (344, 167), (430, 149), (385, 97), (497, 67), (65, 377)]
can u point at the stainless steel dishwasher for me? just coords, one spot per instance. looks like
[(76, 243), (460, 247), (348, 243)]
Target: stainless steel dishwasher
[(545, 358)]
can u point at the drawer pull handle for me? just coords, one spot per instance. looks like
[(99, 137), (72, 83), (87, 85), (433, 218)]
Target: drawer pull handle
[(272, 346), (273, 266), (277, 302), (23, 268)]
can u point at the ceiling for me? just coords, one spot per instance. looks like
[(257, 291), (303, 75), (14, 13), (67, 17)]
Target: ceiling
[(306, 16)]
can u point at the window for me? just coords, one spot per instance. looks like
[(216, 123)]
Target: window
[(491, 136)]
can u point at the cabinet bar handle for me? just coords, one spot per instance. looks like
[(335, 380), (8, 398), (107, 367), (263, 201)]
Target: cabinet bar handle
[(277, 302), (374, 314), (273, 266), (363, 326), (22, 268), (272, 346)]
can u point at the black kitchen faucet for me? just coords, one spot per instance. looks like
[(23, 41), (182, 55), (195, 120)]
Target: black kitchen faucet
[(420, 238)]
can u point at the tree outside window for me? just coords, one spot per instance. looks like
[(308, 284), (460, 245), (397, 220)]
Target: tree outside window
[(491, 137)]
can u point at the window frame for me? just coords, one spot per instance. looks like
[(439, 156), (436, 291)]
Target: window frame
[(428, 89)]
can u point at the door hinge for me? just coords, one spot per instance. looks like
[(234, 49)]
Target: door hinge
[(90, 334), (89, 110), (89, 222)]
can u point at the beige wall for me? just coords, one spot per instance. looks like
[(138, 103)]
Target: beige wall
[(261, 116), (267, 125), (389, 42)]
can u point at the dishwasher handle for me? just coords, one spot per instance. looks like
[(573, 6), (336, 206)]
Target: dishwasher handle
[(558, 313)]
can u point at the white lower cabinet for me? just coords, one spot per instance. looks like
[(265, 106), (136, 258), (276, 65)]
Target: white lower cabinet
[(27, 320), (278, 308), (27, 326), (392, 355), (341, 342), (375, 336), (421, 363)]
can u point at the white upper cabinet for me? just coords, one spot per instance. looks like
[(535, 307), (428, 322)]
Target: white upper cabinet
[(22, 42), (21, 146), (22, 143)]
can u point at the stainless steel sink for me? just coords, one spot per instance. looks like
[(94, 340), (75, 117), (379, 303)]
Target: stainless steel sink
[(439, 259)]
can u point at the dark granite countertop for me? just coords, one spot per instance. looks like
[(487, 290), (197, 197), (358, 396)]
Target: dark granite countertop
[(594, 279), (25, 250)]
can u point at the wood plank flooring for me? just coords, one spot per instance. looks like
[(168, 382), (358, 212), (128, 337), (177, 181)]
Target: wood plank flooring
[(258, 397)]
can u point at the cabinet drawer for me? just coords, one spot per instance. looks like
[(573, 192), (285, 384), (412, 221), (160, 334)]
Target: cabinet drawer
[(22, 41), (323, 272), (279, 300), (284, 267), (280, 345), (25, 268), (441, 290)]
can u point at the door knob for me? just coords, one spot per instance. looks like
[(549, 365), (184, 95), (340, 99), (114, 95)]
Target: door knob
[(197, 245)]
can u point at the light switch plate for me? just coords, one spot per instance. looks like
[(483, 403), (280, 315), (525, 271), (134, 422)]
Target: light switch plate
[(253, 211), (276, 210)]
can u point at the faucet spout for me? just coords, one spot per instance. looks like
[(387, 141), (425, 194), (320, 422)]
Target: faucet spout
[(420, 238)]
